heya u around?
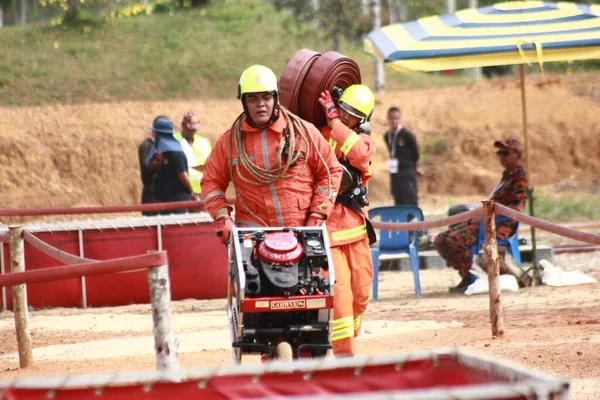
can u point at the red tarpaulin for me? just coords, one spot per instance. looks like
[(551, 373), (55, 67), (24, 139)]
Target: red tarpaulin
[(443, 374), (197, 262)]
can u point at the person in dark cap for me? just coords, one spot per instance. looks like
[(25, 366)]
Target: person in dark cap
[(172, 181), (147, 172), (454, 245)]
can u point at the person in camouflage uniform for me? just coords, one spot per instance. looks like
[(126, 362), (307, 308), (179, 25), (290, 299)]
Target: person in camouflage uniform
[(454, 245)]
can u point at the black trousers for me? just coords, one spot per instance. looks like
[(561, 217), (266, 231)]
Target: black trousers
[(404, 190)]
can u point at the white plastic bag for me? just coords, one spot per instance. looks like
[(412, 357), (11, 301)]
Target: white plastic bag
[(555, 276), (481, 285)]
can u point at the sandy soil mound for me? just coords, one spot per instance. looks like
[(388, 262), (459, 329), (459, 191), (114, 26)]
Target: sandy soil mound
[(87, 154)]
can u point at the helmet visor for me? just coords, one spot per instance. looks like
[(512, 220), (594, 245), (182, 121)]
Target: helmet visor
[(353, 111)]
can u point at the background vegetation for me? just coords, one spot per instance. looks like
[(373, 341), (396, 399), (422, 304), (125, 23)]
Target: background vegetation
[(167, 49)]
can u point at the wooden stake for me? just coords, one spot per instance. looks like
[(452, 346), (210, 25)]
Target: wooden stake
[(166, 344), (493, 269), (19, 294)]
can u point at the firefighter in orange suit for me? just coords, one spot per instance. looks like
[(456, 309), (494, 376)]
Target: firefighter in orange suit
[(283, 171), (350, 232)]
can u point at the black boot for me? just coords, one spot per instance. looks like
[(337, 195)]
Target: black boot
[(463, 285)]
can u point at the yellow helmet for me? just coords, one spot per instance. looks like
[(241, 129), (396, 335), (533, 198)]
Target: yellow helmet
[(256, 79), (359, 101)]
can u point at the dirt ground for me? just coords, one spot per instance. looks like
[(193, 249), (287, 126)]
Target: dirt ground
[(555, 330), (87, 154)]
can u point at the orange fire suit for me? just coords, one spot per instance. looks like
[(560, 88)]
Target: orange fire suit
[(285, 202), (349, 243)]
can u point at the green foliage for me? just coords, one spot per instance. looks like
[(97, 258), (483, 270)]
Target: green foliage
[(566, 207), (6, 79), (163, 7), (192, 53)]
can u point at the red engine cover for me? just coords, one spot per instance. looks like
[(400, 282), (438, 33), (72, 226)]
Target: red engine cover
[(280, 248)]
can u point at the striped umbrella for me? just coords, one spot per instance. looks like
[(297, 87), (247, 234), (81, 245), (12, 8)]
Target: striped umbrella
[(505, 33)]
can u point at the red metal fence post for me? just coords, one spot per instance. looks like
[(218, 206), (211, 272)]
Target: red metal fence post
[(166, 344), (493, 268), (19, 293)]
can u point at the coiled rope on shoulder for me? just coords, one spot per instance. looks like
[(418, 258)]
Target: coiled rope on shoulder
[(296, 138)]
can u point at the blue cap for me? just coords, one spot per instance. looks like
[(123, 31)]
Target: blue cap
[(163, 125)]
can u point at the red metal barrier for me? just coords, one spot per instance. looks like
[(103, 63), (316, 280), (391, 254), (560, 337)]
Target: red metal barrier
[(197, 260)]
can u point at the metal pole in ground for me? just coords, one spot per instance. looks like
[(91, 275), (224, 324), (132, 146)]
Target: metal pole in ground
[(165, 343), (493, 269), (529, 190), (19, 294)]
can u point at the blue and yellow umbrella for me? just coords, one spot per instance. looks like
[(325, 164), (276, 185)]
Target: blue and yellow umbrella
[(502, 34)]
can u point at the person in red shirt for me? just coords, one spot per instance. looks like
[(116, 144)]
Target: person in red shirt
[(282, 169), (454, 245), (350, 232)]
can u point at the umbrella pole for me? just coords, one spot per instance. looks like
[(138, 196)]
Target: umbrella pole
[(527, 165)]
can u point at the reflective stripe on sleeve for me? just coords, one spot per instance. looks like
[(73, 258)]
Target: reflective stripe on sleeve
[(333, 144), (349, 143), (213, 194), (325, 191)]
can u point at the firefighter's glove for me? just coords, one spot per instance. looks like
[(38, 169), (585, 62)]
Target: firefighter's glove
[(223, 227), (315, 220), (331, 111)]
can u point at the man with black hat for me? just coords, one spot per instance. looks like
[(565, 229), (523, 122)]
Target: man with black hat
[(172, 181), (454, 245)]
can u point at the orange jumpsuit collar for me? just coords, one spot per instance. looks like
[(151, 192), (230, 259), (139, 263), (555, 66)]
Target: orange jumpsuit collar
[(278, 126)]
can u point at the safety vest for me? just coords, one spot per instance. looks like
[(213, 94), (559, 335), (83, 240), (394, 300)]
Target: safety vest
[(196, 154)]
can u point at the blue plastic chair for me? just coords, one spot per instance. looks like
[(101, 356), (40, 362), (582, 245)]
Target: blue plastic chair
[(396, 242), (512, 243)]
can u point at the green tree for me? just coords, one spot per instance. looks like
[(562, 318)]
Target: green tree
[(72, 9), (337, 19), (4, 4)]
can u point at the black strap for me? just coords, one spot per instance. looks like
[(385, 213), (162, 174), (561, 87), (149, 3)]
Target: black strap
[(349, 202)]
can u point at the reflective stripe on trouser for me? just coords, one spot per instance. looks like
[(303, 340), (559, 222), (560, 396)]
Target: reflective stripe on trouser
[(353, 277)]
